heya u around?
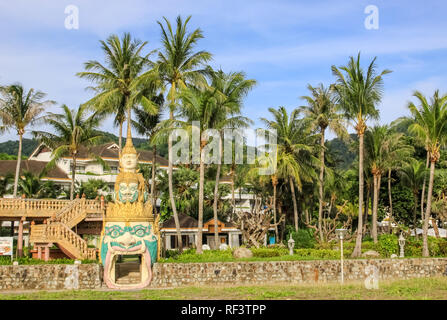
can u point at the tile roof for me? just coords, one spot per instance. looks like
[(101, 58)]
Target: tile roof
[(33, 166)]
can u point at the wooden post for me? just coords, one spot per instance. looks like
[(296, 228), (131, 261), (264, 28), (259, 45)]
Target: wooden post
[(20, 238), (39, 252), (47, 252)]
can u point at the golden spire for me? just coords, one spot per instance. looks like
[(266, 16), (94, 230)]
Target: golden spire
[(129, 148)]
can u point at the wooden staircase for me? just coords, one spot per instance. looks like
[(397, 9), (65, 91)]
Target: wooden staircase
[(58, 228)]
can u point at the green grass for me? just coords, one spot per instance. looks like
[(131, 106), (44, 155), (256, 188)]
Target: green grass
[(414, 289)]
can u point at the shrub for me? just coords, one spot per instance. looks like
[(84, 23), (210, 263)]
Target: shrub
[(387, 245), (269, 252), (304, 238)]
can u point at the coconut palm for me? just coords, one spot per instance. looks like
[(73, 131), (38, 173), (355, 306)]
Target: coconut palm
[(178, 66), (117, 80), (146, 125), (73, 129), (412, 175), (324, 113), (233, 87), (18, 110), (295, 148), (358, 94), (382, 146), (430, 124)]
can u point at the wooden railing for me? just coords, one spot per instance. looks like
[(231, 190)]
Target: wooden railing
[(63, 215), (61, 234), (33, 207)]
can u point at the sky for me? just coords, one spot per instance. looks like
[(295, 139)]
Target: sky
[(284, 45)]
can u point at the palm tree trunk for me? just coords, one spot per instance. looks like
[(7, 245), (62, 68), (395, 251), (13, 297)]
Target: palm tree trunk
[(19, 160), (232, 189), (320, 208), (171, 191), (390, 198), (120, 138), (73, 176), (216, 193), (154, 159), (376, 178), (423, 186), (274, 209), (415, 196), (295, 209), (425, 252), (201, 182), (358, 241)]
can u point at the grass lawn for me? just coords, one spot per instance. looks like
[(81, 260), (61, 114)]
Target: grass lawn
[(420, 289)]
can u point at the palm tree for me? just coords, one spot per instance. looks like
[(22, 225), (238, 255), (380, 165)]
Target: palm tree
[(412, 175), (233, 87), (295, 146), (200, 106), (117, 81), (73, 129), (178, 66), (324, 113), (358, 94), (146, 125), (382, 146), (430, 124), (18, 110)]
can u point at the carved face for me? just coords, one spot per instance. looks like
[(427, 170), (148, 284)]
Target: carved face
[(129, 161), (134, 238), (128, 192)]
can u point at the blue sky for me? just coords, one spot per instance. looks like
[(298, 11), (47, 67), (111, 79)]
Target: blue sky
[(282, 44)]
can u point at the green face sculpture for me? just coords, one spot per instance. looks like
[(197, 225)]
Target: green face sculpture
[(128, 192), (132, 238)]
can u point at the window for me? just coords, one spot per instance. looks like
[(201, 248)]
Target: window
[(80, 169), (113, 169)]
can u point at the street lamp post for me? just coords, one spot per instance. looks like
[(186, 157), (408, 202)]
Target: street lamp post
[(401, 245), (341, 235)]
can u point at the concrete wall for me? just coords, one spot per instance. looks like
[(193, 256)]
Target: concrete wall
[(179, 274), (50, 277)]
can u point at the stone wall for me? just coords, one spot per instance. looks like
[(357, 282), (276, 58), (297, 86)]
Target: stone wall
[(89, 276), (180, 274), (50, 277)]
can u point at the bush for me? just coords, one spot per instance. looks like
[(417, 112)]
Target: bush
[(387, 245), (269, 252), (318, 253), (304, 238), (29, 261)]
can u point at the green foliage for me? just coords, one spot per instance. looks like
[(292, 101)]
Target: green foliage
[(6, 260), (93, 188), (304, 238), (387, 245)]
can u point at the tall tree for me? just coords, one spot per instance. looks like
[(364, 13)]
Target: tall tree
[(233, 87), (73, 129), (18, 110), (178, 66), (412, 175), (430, 124), (295, 148), (146, 125), (116, 81), (382, 147), (200, 106), (358, 94), (324, 113)]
